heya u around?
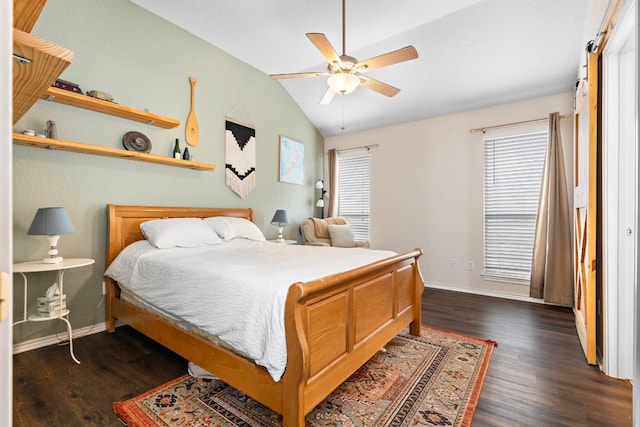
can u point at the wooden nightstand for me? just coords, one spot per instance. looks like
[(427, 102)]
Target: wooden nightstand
[(23, 268)]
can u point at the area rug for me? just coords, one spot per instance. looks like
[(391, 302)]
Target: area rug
[(431, 380)]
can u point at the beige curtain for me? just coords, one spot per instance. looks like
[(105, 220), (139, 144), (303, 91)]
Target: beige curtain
[(333, 183), (551, 268)]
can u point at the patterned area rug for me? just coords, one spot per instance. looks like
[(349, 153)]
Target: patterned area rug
[(431, 380)]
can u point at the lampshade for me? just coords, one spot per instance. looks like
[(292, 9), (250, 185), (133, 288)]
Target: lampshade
[(51, 222), (343, 83), (280, 218), (320, 203), (319, 184)]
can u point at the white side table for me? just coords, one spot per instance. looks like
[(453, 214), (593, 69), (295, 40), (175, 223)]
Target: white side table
[(38, 266)]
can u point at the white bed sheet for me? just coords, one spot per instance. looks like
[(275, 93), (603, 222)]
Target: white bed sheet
[(235, 291)]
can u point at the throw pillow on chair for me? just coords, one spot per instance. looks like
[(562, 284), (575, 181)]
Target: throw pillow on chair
[(341, 236)]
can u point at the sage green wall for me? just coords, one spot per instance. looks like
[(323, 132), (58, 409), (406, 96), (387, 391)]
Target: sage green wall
[(144, 62)]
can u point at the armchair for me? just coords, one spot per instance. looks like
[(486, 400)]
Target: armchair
[(334, 231)]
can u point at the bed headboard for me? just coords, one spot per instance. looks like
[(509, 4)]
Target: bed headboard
[(124, 221)]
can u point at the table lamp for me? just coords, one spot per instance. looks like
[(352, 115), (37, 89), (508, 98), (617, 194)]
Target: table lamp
[(51, 222), (280, 219)]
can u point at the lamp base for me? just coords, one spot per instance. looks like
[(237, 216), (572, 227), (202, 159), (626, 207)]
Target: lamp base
[(52, 260)]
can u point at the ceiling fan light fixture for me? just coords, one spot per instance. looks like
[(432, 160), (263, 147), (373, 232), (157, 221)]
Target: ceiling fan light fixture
[(343, 83)]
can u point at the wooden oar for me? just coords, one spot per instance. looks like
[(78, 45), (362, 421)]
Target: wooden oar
[(192, 134)]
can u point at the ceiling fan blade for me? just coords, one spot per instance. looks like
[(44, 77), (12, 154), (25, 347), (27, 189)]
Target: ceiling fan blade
[(327, 97), (298, 75), (407, 53), (379, 87), (325, 47)]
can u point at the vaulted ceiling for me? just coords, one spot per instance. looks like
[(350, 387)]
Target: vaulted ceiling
[(472, 53)]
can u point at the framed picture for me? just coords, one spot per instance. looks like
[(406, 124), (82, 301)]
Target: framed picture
[(291, 161)]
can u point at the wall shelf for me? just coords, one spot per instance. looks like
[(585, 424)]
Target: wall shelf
[(77, 147), (94, 104), (44, 63)]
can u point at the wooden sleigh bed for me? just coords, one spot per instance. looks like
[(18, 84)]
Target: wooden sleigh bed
[(333, 325)]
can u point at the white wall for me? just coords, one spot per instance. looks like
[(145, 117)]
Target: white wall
[(427, 187)]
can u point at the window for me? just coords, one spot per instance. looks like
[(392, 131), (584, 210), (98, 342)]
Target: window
[(512, 176), (354, 174)]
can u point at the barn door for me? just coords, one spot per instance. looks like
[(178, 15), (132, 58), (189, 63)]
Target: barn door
[(586, 208)]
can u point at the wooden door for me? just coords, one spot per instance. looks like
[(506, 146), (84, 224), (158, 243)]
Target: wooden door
[(586, 208)]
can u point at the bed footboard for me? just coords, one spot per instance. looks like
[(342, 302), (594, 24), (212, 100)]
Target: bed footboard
[(337, 323)]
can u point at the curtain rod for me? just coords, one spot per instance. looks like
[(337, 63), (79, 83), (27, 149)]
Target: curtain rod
[(524, 122), (358, 148)]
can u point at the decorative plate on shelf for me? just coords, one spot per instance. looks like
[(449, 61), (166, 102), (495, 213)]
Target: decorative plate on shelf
[(136, 141)]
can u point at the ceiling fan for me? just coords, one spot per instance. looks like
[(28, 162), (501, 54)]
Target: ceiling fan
[(345, 72)]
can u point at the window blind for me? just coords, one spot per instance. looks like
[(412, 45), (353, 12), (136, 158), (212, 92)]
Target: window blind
[(512, 178), (354, 174)]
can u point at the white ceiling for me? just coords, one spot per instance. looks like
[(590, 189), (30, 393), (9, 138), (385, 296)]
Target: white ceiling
[(472, 53)]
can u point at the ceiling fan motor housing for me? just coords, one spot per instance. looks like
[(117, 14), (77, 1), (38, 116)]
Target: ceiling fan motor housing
[(347, 64)]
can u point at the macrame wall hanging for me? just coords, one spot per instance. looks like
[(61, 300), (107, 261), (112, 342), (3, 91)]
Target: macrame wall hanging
[(240, 164)]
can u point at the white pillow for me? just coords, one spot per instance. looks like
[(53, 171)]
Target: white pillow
[(341, 236), (228, 227), (178, 232)]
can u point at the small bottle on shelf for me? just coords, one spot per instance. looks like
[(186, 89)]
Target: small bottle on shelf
[(186, 155), (176, 150)]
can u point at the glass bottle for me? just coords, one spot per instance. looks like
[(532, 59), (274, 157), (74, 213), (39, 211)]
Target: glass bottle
[(176, 150)]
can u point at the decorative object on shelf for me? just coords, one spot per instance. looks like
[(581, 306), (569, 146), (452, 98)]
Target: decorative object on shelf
[(70, 86), (51, 222), (240, 165), (52, 130), (291, 161), (280, 219), (186, 155), (29, 132), (176, 149), (136, 141), (52, 304), (100, 95), (191, 132), (320, 202)]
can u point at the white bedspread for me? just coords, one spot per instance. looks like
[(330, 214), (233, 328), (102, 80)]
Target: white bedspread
[(235, 290)]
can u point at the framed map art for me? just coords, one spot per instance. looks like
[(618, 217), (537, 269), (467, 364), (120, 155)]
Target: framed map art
[(291, 161)]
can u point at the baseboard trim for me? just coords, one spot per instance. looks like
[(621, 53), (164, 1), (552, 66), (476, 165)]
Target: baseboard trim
[(58, 338), (483, 292)]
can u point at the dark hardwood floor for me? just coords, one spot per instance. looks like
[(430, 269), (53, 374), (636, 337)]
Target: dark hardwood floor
[(538, 375)]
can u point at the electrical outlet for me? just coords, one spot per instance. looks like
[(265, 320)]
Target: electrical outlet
[(452, 264), (104, 288), (471, 265)]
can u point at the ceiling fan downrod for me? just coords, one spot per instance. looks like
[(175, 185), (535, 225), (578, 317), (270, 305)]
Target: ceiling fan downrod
[(344, 28)]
